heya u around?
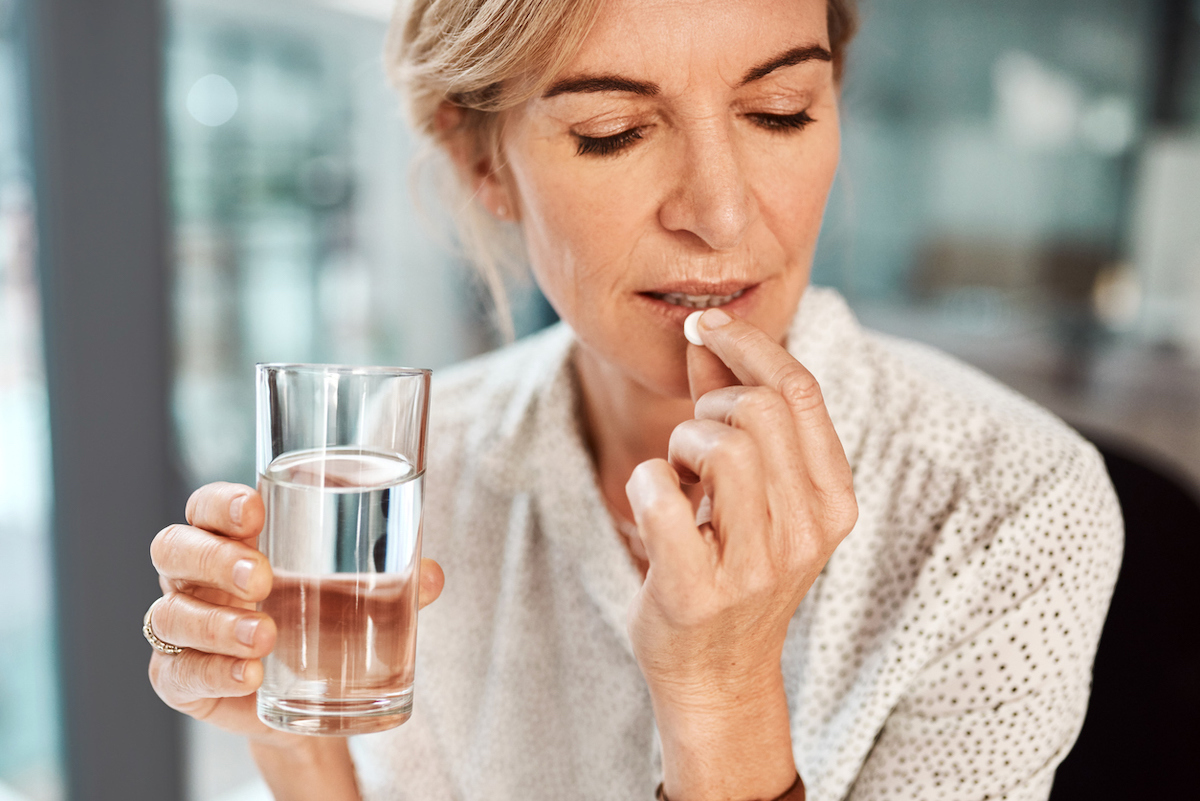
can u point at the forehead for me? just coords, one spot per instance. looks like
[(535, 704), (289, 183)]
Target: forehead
[(673, 42)]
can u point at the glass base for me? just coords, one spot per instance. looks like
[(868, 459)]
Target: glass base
[(338, 718)]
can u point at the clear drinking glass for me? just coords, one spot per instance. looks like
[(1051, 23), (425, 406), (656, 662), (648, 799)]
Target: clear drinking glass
[(341, 468)]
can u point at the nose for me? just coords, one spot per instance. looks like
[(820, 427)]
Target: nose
[(710, 198)]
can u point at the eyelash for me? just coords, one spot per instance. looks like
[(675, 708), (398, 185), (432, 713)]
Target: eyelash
[(782, 122), (606, 145), (610, 145)]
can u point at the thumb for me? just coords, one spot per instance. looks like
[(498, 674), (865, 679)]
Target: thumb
[(431, 583), (665, 519), (707, 372)]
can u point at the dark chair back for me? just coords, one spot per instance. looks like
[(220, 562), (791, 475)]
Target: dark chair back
[(1141, 738)]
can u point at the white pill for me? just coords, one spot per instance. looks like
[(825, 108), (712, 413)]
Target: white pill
[(691, 328)]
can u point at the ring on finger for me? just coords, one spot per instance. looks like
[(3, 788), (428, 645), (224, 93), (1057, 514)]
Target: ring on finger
[(162, 646)]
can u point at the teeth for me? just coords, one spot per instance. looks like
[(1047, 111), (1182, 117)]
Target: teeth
[(698, 301)]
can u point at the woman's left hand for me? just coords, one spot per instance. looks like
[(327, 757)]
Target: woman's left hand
[(709, 623)]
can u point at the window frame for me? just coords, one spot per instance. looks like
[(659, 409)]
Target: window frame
[(96, 140)]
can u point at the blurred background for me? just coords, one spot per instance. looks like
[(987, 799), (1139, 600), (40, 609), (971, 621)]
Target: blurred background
[(1020, 186)]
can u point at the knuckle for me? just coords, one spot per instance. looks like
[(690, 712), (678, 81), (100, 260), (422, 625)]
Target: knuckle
[(757, 402), (181, 681), (846, 515), (173, 676), (165, 618), (207, 504), (210, 559), (193, 503), (840, 509), (164, 542), (194, 674), (800, 389), (216, 672), (190, 684), (733, 450), (212, 626), (681, 434), (163, 681)]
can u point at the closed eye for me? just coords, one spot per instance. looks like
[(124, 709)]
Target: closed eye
[(782, 122), (606, 145)]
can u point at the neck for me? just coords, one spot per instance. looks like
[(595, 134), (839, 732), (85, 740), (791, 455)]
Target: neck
[(625, 424)]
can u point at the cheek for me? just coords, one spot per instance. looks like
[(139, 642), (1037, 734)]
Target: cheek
[(578, 231), (590, 210), (793, 199)]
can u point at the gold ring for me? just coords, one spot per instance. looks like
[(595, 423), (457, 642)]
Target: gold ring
[(161, 646)]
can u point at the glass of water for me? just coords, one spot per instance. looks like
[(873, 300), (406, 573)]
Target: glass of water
[(341, 467)]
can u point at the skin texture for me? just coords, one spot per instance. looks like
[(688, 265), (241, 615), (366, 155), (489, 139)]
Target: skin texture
[(712, 178)]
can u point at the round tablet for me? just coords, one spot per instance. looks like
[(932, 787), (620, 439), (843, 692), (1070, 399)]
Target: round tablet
[(691, 328)]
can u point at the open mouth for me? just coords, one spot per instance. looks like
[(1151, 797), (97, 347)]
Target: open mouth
[(695, 301)]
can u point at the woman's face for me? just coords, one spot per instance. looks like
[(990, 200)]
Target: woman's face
[(682, 159)]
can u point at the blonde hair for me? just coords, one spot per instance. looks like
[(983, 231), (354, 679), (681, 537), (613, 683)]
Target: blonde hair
[(486, 56)]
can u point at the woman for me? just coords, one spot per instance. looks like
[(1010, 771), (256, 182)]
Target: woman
[(640, 533)]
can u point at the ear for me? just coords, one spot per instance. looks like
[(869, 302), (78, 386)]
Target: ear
[(475, 167)]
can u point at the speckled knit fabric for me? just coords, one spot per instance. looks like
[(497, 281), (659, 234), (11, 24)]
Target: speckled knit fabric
[(944, 653)]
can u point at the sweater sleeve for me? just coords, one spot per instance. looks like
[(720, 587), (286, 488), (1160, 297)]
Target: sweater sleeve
[(1000, 703)]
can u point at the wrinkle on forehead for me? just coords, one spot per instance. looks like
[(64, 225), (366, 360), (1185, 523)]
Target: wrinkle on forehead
[(683, 44)]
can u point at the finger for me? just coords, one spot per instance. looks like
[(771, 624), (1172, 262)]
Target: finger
[(706, 372), (195, 556), (188, 622), (793, 500), (764, 415), (758, 360), (432, 582), (234, 510), (666, 523), (730, 468), (188, 680)]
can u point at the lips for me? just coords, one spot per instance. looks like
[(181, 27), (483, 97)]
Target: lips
[(706, 301), (672, 303)]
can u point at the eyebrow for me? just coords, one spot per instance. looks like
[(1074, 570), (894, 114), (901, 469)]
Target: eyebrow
[(601, 83), (617, 83), (789, 58)]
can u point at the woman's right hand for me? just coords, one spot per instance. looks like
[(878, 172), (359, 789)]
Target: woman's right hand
[(212, 576)]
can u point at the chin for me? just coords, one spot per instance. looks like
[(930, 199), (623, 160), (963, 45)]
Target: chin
[(666, 374), (651, 361), (671, 383)]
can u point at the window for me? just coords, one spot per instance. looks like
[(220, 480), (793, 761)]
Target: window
[(296, 235), (29, 746)]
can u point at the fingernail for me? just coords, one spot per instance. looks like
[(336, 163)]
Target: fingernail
[(244, 630), (242, 572), (239, 670), (235, 509), (714, 318)]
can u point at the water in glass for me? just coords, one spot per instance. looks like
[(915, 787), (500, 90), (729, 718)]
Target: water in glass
[(342, 534)]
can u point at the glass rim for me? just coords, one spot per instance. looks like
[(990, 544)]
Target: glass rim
[(343, 369)]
